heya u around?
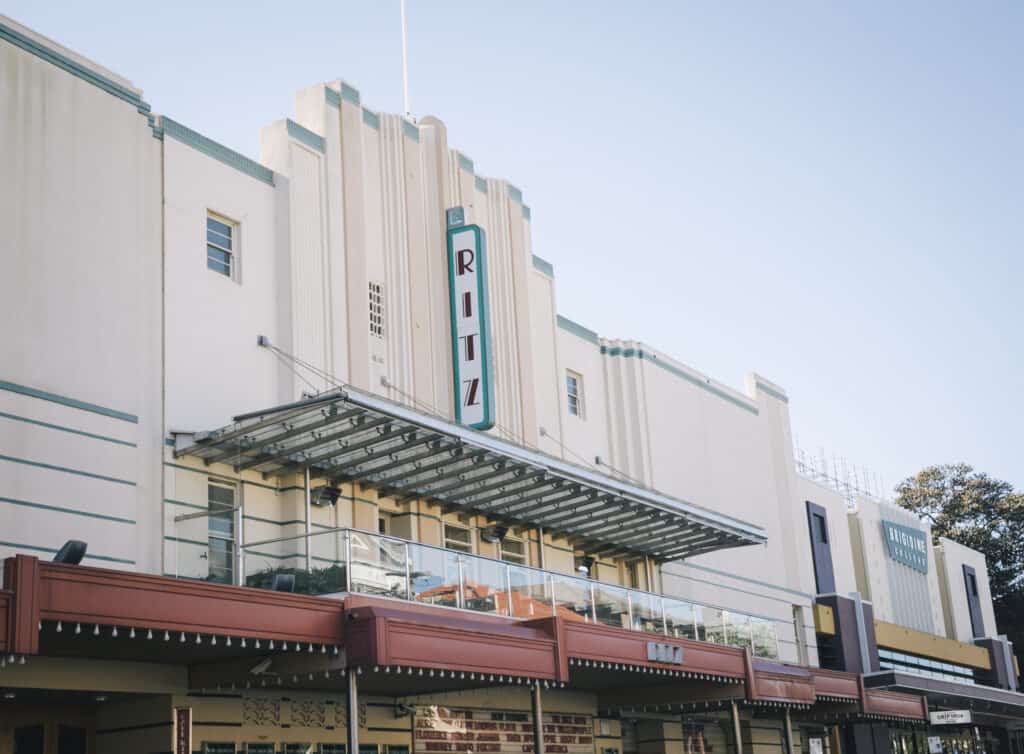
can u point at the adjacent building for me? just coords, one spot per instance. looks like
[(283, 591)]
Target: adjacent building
[(348, 480)]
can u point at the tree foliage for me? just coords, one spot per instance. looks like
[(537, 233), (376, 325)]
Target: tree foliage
[(985, 514)]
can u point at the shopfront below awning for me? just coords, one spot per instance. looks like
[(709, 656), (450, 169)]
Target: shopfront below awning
[(984, 703), (347, 435)]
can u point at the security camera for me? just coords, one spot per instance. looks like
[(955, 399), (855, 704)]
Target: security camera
[(403, 710)]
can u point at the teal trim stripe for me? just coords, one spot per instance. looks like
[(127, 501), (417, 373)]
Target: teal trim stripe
[(332, 97), (692, 379), (14, 417), (65, 401), (51, 550), (221, 476), (169, 501), (772, 392), (349, 93), (75, 69), (544, 266), (480, 183), (410, 130), (66, 470), (526, 213), (60, 509), (217, 151), (578, 330), (303, 134), (169, 442), (183, 541), (371, 119), (515, 194), (465, 163)]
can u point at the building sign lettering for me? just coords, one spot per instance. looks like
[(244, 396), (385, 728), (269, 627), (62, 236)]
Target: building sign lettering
[(471, 347), (182, 730), (906, 545), (670, 653)]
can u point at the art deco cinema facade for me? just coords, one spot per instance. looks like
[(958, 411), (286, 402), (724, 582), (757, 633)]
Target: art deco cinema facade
[(348, 482)]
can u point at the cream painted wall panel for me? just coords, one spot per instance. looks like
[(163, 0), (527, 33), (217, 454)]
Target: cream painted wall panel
[(396, 241), (373, 237), (586, 438), (838, 531), (80, 302), (355, 242), (40, 410), (950, 560), (627, 412), (214, 368), (547, 376), (311, 325)]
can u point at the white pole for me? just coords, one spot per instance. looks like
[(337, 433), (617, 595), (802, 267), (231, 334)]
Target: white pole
[(405, 67)]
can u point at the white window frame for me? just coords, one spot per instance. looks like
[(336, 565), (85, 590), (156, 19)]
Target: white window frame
[(459, 546), (234, 266), (502, 555), (578, 395), (220, 536)]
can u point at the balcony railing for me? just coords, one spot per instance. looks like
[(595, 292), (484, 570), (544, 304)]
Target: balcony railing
[(336, 562)]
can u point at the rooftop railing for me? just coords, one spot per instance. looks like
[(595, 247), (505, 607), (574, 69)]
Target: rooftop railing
[(336, 562)]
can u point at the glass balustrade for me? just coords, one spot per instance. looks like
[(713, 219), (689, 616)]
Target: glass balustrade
[(336, 562)]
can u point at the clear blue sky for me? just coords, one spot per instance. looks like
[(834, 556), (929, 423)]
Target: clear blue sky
[(831, 194)]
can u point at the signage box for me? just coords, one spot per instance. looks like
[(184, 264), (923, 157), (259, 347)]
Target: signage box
[(471, 346), (951, 717), (906, 545)]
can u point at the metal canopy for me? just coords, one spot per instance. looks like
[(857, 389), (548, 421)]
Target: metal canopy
[(348, 435)]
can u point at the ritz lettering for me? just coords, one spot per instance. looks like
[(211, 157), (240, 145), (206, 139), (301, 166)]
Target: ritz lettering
[(470, 347)]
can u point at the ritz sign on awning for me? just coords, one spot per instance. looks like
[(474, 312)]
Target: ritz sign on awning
[(471, 346)]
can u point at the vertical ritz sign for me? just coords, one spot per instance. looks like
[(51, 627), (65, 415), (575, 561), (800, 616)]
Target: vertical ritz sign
[(471, 347)]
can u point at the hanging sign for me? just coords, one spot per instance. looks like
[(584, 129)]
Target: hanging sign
[(950, 717), (182, 730), (471, 347), (906, 545)]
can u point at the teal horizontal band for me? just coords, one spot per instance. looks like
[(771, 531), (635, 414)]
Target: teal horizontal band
[(217, 151), (349, 93), (215, 475), (47, 425), (410, 130), (332, 97), (578, 330), (526, 212), (544, 266), (169, 442), (183, 541), (772, 392), (692, 379), (88, 556), (304, 135), (61, 509), (63, 400), (75, 69), (465, 163), (169, 501), (371, 119), (66, 470), (480, 183)]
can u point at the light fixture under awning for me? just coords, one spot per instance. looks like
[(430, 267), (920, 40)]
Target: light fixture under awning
[(348, 435)]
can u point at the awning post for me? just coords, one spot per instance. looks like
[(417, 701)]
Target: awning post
[(737, 732), (353, 710), (787, 731), (538, 719)]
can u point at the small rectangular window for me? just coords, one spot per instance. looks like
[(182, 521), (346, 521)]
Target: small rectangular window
[(221, 532), (574, 393), (513, 550), (457, 538), (376, 310), (384, 523), (221, 245)]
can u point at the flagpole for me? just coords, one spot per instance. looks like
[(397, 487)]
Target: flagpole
[(405, 67)]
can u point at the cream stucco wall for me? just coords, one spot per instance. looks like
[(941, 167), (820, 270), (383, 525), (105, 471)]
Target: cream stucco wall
[(950, 558)]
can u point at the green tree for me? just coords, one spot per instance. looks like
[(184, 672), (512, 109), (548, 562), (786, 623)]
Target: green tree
[(985, 514)]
